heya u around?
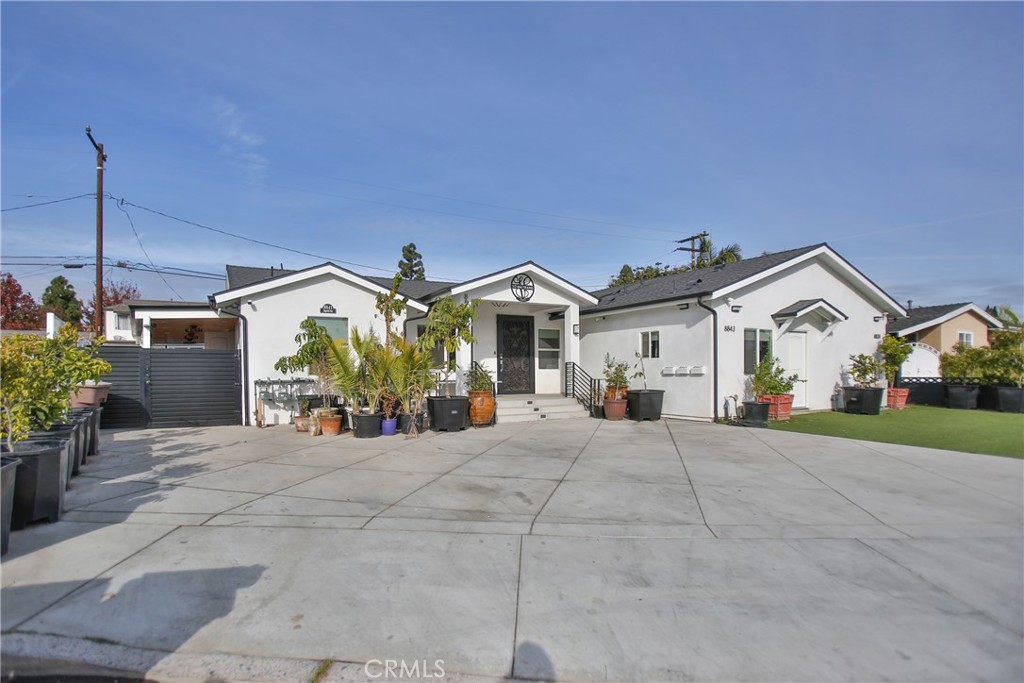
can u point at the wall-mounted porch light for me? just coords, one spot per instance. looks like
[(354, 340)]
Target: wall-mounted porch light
[(576, 329), (736, 309)]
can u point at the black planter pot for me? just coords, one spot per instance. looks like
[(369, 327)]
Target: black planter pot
[(8, 472), (962, 396), (447, 414), (366, 425), (40, 482), (405, 422), (1009, 399), (94, 446), (597, 411), (644, 404), (866, 401), (71, 434), (755, 414), (86, 420)]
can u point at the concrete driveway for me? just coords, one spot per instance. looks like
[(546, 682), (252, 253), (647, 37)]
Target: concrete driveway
[(572, 550)]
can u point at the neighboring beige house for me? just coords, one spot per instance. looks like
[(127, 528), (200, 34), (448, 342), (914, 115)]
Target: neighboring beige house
[(940, 327)]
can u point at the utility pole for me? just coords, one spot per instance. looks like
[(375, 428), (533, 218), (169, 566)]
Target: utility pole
[(694, 248), (100, 158)]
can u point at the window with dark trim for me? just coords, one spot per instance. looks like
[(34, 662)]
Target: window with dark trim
[(757, 344), (336, 327), (650, 344), (549, 347)]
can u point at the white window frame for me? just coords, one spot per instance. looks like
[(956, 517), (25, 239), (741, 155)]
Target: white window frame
[(647, 348), (965, 337), (122, 321), (758, 356), (542, 352)]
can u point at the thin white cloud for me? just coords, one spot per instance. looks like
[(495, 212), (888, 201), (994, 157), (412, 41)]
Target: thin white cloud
[(240, 144)]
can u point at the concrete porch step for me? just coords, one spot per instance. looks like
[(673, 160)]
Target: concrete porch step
[(526, 408)]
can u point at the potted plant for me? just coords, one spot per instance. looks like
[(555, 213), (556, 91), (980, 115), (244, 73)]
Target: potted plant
[(301, 420), (1003, 364), (382, 368), (413, 379), (481, 396), (449, 324), (770, 385), (958, 368), (864, 398), (893, 351), (617, 385), (313, 357), (350, 366), (643, 404)]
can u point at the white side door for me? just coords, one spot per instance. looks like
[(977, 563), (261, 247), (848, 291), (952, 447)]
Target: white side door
[(797, 364)]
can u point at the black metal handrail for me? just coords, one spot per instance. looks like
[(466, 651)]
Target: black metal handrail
[(581, 386)]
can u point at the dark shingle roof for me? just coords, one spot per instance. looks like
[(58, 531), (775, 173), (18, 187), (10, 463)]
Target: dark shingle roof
[(243, 276), (158, 303), (691, 283), (921, 315)]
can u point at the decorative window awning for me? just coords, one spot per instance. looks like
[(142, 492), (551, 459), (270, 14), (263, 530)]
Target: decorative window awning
[(818, 308)]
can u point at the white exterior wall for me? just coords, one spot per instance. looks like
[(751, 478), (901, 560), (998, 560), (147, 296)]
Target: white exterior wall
[(685, 339), (545, 300), (274, 317), (828, 349)]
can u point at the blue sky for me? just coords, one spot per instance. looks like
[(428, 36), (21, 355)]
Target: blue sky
[(579, 135)]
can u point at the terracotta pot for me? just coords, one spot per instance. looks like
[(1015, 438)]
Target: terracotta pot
[(896, 399), (614, 408), (89, 394), (301, 423), (481, 407), (331, 426), (615, 392), (779, 405)]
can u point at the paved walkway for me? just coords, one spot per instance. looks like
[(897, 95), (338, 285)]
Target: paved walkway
[(572, 550)]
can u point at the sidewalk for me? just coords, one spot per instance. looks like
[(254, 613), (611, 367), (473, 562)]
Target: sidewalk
[(571, 550)]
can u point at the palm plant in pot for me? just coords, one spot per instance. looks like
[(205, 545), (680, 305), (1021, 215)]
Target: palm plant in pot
[(350, 365), (412, 380), (618, 384), (864, 398), (382, 369), (771, 385), (894, 351), (313, 356), (481, 396), (449, 324)]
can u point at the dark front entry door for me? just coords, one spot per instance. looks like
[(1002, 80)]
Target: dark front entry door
[(515, 354)]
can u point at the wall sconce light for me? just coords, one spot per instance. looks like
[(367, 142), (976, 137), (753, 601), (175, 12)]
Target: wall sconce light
[(736, 309), (878, 318), (576, 329), (683, 307)]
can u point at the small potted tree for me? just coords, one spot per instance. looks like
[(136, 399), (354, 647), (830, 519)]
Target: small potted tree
[(313, 356), (1003, 364), (643, 404), (481, 396), (301, 420), (864, 398), (617, 382), (958, 368), (413, 379), (770, 385), (894, 350), (449, 324)]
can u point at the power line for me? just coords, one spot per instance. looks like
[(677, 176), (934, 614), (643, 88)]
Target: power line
[(496, 206), (55, 201), (475, 218), (127, 215), (248, 239), (124, 265)]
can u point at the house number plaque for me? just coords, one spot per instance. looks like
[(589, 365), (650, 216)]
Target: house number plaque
[(730, 328), (522, 287), (327, 308)]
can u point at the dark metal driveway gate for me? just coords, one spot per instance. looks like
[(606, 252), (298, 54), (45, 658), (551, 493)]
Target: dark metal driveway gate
[(172, 387)]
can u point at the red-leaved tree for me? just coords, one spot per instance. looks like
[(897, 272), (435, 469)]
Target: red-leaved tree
[(114, 292), (18, 310)]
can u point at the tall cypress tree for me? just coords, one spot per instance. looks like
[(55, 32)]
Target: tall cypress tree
[(411, 265), (61, 300)]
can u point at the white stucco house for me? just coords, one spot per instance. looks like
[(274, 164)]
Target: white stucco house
[(699, 333), (702, 332)]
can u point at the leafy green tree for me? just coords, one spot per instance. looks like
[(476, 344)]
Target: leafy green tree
[(449, 324), (707, 256), (411, 265), (61, 300), (18, 310)]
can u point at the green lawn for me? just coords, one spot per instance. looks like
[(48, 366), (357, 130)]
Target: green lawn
[(970, 431)]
